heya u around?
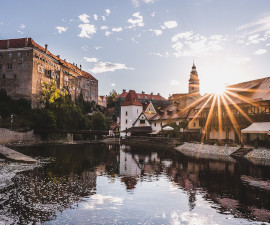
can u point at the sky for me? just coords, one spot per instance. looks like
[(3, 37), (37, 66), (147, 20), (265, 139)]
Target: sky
[(149, 45)]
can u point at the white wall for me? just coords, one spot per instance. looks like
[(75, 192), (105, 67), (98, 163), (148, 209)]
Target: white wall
[(138, 124), (133, 112)]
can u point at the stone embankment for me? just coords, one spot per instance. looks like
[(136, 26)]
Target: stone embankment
[(208, 151), (15, 156), (9, 136)]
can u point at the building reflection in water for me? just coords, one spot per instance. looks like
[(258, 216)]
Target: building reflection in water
[(231, 187)]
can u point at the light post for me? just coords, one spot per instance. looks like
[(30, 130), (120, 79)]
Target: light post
[(11, 121)]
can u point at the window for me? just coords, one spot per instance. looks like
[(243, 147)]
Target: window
[(137, 111), (1, 55), (161, 124), (10, 55), (41, 69), (155, 124), (15, 76), (19, 66), (28, 53), (142, 121), (0, 66), (126, 113), (10, 66), (4, 76), (19, 54), (126, 121), (194, 124), (87, 83)]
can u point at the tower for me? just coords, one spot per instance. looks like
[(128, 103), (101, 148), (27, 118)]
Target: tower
[(194, 82)]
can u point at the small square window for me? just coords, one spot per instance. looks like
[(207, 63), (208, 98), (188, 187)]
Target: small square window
[(4, 76), (10, 55), (19, 66), (126, 113), (15, 76), (19, 54), (0, 66), (126, 121)]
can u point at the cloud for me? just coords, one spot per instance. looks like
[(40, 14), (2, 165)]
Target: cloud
[(95, 17), (103, 67), (165, 55), (260, 52), (174, 82), (153, 14), (117, 29), (90, 59), (238, 60), (255, 39), (84, 18), (137, 20), (103, 28), (107, 12), (137, 3), (190, 44), (103, 18), (98, 47), (60, 30), (113, 84), (108, 33), (22, 26), (170, 24), (156, 32), (87, 30), (262, 24)]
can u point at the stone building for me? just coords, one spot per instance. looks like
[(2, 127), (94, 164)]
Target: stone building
[(25, 66)]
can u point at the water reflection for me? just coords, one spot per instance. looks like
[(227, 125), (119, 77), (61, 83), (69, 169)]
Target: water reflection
[(86, 183)]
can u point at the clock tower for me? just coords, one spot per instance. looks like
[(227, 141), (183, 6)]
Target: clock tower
[(194, 82)]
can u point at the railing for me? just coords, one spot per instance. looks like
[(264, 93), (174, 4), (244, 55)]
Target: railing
[(152, 140)]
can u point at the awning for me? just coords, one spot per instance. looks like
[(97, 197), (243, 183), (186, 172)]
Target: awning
[(257, 128)]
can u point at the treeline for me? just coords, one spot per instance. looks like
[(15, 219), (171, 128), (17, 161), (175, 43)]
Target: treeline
[(56, 111)]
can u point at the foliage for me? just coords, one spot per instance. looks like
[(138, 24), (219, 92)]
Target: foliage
[(112, 98), (175, 133), (99, 122)]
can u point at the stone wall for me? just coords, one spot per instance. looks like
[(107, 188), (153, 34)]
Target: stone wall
[(8, 136)]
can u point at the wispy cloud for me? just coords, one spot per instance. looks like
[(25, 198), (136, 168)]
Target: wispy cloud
[(262, 24), (104, 28), (108, 33), (60, 30), (84, 18), (103, 67), (156, 32), (91, 60), (95, 17), (117, 29), (136, 20), (87, 30), (98, 47), (113, 84), (137, 3), (190, 44), (260, 51), (170, 24), (22, 26), (108, 11)]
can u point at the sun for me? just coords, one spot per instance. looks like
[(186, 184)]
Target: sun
[(216, 88)]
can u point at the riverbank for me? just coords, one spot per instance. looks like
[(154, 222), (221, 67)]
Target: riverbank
[(208, 151)]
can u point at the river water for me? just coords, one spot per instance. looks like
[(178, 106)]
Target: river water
[(112, 184)]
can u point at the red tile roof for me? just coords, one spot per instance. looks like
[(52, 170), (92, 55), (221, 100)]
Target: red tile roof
[(131, 99), (29, 42), (144, 96)]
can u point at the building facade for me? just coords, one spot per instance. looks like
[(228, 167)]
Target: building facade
[(25, 66)]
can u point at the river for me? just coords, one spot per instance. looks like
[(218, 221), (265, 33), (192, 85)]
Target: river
[(112, 184)]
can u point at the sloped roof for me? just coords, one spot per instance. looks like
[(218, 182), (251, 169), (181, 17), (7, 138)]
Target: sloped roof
[(144, 96), (131, 99), (29, 42), (251, 91)]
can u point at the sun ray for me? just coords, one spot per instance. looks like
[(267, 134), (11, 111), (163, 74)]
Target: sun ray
[(231, 116), (238, 108), (219, 117), (241, 97), (209, 117)]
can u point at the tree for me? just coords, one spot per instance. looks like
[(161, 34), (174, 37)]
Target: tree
[(112, 98), (99, 122)]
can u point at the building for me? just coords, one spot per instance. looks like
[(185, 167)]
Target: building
[(102, 101), (241, 106), (157, 100), (25, 66)]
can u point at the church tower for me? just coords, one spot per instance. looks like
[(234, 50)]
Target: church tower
[(194, 82)]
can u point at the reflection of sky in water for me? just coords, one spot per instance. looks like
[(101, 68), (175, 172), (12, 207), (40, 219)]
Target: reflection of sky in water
[(157, 202), (132, 186)]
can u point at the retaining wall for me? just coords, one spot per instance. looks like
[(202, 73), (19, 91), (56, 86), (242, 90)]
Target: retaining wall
[(9, 136)]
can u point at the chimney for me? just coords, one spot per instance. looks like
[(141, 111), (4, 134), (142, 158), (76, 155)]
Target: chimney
[(158, 94), (124, 90), (8, 43), (143, 92), (64, 59), (76, 65), (26, 42), (46, 48), (151, 93), (58, 56), (80, 67)]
